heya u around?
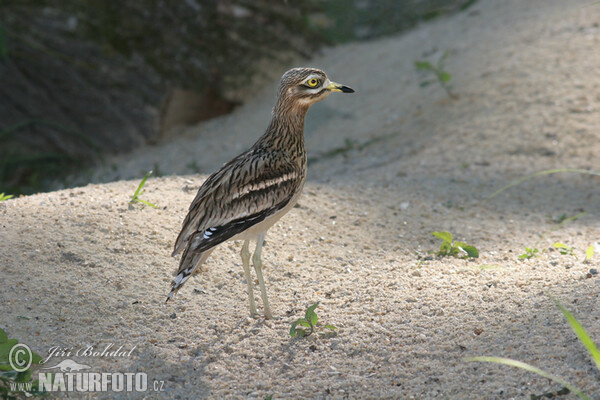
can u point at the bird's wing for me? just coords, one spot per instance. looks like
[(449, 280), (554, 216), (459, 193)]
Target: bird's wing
[(244, 192)]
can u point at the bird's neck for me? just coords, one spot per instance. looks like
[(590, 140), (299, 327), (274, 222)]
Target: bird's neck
[(285, 132)]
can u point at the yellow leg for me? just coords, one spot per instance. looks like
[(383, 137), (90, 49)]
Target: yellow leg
[(256, 259), (246, 262)]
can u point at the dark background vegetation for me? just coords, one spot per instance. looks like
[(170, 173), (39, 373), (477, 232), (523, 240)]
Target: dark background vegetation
[(82, 78)]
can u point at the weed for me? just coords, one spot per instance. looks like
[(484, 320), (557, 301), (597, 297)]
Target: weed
[(564, 249), (11, 380), (455, 249), (442, 76), (139, 191), (530, 252), (309, 321), (583, 337), (5, 196), (589, 252)]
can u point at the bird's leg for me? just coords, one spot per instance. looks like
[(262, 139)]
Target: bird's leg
[(246, 261), (256, 260)]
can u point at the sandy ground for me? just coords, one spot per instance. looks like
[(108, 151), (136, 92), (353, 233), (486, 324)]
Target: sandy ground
[(83, 268)]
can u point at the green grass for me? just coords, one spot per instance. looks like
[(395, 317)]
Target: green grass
[(438, 70), (5, 196), (455, 249), (139, 191), (309, 322), (583, 337)]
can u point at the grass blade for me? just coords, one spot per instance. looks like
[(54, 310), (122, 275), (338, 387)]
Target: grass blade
[(140, 188), (545, 172), (531, 368), (146, 203), (579, 330), (141, 185)]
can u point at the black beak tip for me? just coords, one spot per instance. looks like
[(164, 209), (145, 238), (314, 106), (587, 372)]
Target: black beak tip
[(347, 89)]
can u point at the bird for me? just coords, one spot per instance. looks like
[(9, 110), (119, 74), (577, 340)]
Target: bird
[(248, 194)]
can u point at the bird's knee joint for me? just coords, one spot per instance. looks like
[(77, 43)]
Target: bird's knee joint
[(245, 254), (256, 260)]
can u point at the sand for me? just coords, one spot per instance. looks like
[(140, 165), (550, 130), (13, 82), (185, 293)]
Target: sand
[(80, 267)]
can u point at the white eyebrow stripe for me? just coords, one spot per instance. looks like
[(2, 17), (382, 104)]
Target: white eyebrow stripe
[(319, 77), (264, 184)]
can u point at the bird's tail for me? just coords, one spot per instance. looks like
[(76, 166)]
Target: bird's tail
[(190, 261)]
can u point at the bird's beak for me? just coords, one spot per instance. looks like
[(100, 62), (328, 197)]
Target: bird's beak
[(336, 87)]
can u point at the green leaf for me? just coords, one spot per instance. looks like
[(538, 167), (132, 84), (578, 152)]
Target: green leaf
[(310, 315), (444, 77), (35, 358), (560, 245), (589, 253), (529, 253), (445, 248), (3, 336), (293, 331), (303, 322), (6, 347), (424, 65), (531, 368), (24, 376), (584, 338), (301, 332), (470, 250), (146, 203), (332, 327), (445, 236)]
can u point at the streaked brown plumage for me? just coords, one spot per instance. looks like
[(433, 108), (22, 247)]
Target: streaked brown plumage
[(244, 198)]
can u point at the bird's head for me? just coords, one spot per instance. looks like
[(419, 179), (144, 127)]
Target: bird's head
[(302, 87)]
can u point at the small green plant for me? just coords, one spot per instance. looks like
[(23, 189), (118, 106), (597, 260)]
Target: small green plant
[(12, 381), (583, 337), (5, 196), (455, 249), (139, 191), (530, 252), (589, 252), (309, 321), (564, 249), (438, 70)]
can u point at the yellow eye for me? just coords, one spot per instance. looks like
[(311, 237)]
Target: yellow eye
[(313, 82)]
